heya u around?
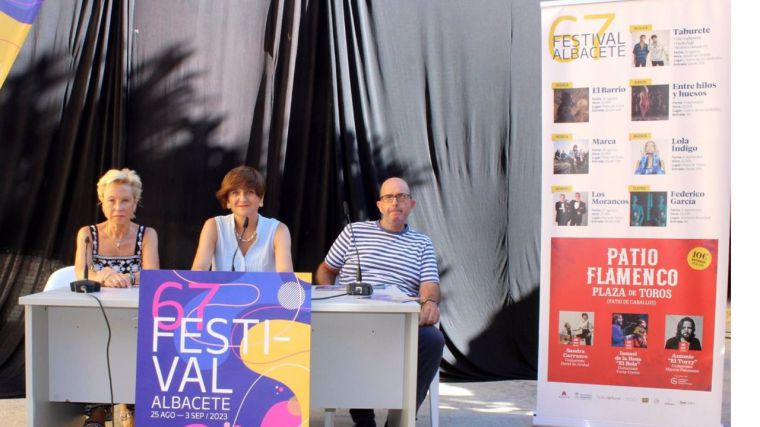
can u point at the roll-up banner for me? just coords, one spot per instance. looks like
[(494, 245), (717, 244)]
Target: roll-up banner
[(635, 212)]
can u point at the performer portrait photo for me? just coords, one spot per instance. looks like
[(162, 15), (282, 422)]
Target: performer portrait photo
[(639, 334), (566, 334), (637, 211), (562, 211), (571, 157), (658, 211), (571, 105), (618, 337), (650, 162), (576, 327), (685, 335), (577, 211), (650, 102), (585, 329), (640, 52), (658, 52)]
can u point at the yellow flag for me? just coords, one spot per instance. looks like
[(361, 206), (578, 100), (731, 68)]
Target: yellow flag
[(16, 18)]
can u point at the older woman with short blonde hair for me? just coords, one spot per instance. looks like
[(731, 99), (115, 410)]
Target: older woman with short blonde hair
[(122, 176), (117, 249)]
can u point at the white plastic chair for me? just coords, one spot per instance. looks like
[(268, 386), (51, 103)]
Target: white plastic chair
[(433, 398), (61, 278), (433, 394)]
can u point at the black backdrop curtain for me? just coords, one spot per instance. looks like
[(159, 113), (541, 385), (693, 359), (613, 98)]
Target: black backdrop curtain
[(327, 98)]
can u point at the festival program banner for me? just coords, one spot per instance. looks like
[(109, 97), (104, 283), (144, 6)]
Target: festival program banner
[(635, 212), (223, 349)]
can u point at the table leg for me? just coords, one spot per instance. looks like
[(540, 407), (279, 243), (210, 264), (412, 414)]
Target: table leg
[(329, 417), (40, 412), (409, 411)]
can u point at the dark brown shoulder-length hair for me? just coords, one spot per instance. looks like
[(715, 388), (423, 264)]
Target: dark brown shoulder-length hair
[(244, 177)]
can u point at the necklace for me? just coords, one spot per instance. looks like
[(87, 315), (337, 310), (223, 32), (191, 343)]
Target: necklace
[(252, 237), (118, 239)]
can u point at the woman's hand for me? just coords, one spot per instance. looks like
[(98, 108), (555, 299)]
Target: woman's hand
[(113, 279)]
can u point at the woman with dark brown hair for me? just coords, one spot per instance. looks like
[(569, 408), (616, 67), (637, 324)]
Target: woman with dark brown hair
[(243, 240)]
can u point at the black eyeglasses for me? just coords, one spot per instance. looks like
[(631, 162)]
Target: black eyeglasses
[(400, 197)]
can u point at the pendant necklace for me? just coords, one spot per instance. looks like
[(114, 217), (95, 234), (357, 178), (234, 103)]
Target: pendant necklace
[(252, 237)]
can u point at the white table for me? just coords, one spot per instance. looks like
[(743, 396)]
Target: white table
[(363, 355)]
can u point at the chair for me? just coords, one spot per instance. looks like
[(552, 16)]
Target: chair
[(433, 394), (60, 279)]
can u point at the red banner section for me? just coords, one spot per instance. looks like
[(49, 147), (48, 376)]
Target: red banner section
[(633, 312)]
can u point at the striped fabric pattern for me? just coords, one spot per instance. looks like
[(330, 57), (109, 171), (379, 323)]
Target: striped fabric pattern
[(404, 260)]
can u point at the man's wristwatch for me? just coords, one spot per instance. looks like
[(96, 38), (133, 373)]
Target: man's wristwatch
[(423, 302)]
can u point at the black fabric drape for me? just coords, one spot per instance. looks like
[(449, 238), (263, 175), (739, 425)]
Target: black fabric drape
[(60, 126), (446, 94), (327, 98), (212, 93)]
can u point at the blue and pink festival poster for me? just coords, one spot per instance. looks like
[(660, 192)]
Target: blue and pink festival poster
[(226, 349)]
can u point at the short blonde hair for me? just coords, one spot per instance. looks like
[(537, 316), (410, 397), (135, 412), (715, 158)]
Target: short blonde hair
[(123, 176)]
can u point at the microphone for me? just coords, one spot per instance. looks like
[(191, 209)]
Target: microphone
[(86, 253), (245, 225), (357, 287), (85, 285)]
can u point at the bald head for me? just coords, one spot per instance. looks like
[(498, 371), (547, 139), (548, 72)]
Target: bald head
[(395, 204), (394, 185)]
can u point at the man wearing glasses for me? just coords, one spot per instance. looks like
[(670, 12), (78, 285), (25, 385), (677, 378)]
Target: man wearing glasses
[(392, 253)]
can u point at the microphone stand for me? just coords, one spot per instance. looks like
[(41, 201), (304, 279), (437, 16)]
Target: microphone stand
[(357, 287), (237, 247), (85, 285)]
